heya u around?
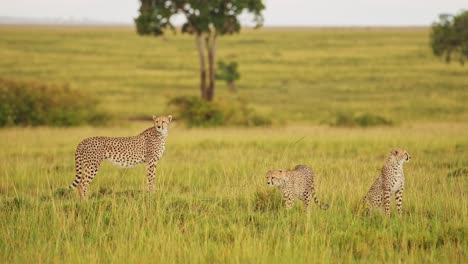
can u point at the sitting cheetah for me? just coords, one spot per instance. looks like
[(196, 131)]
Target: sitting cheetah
[(147, 147), (391, 180), (296, 183)]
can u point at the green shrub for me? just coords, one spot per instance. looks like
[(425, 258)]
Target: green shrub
[(359, 120), (197, 112), (228, 72), (33, 103), (367, 120)]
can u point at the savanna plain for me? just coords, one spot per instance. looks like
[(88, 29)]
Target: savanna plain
[(211, 203)]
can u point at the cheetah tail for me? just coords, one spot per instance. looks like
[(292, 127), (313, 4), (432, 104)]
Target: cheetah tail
[(322, 206), (75, 183), (78, 170)]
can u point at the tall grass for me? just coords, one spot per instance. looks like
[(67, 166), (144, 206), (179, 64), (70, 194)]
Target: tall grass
[(212, 204)]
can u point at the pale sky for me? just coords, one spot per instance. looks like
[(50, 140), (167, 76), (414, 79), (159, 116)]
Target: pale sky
[(277, 13)]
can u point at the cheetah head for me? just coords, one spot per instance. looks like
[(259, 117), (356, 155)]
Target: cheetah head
[(400, 155), (161, 124), (276, 177)]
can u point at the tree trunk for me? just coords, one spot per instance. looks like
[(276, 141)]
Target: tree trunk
[(201, 57), (211, 68)]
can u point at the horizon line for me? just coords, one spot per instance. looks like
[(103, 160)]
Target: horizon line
[(31, 21)]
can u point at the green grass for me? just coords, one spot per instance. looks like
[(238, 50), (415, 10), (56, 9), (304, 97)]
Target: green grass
[(208, 204), (211, 202), (310, 75)]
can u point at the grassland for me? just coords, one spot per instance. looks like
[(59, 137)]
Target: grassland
[(211, 202), (293, 74)]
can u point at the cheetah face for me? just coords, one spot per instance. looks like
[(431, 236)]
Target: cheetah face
[(401, 155), (161, 124), (276, 177)]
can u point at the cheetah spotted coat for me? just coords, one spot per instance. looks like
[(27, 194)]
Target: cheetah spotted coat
[(147, 147), (391, 181), (295, 184)]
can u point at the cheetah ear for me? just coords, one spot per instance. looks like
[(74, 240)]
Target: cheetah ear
[(154, 118), (170, 118), (395, 152)]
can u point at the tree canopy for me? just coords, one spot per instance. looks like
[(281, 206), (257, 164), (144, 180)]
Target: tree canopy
[(203, 16), (206, 19), (449, 37)]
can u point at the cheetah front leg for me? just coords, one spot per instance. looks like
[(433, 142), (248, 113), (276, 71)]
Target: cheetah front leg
[(399, 200), (289, 199), (151, 174)]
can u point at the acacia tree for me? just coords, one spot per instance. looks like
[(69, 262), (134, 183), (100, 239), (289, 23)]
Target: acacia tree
[(205, 19), (449, 37)]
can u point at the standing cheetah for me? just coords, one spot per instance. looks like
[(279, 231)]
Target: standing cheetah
[(391, 180), (147, 147), (297, 183)]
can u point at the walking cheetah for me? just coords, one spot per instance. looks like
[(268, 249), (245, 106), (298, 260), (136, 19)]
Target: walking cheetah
[(297, 183), (391, 180), (147, 147)]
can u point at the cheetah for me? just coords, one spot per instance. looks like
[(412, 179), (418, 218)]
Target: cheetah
[(391, 180), (295, 184), (147, 147)]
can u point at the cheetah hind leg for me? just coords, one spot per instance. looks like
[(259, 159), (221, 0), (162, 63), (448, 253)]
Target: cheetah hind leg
[(83, 187), (90, 173), (306, 199), (80, 188)]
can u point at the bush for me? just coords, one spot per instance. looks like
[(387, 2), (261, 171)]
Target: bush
[(197, 112), (33, 103), (360, 120)]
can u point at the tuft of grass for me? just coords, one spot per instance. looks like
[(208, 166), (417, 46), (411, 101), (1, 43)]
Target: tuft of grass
[(458, 172), (268, 200), (359, 120), (63, 193), (14, 204)]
